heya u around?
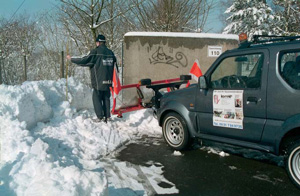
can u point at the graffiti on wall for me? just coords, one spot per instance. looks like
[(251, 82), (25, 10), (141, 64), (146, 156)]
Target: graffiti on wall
[(160, 57)]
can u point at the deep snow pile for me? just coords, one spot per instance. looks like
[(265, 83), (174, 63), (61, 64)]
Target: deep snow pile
[(50, 146)]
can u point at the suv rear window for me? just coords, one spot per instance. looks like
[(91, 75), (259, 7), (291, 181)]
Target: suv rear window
[(289, 68)]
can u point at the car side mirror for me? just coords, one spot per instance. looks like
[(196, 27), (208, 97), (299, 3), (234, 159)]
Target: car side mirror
[(202, 82)]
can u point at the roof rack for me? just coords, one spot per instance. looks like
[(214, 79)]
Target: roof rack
[(270, 38), (275, 38)]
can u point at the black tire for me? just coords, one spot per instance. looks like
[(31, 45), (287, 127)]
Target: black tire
[(185, 77), (292, 162), (144, 82), (175, 131)]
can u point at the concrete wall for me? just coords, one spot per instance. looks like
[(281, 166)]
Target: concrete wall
[(169, 55)]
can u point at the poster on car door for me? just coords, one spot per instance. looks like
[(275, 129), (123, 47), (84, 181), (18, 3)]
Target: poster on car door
[(228, 108)]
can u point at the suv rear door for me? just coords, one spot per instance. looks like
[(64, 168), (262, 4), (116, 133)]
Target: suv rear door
[(234, 105)]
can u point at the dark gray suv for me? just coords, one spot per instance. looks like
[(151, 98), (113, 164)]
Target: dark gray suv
[(249, 97)]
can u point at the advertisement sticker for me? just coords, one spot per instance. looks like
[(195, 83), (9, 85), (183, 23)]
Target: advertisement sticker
[(228, 108)]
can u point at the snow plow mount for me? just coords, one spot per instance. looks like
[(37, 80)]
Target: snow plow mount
[(170, 84)]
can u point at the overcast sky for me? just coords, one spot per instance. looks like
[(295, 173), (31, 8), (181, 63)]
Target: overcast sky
[(9, 7)]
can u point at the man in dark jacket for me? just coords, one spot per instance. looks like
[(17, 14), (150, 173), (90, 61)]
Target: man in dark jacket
[(101, 62)]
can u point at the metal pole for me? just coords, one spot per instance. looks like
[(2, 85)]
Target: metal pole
[(25, 68), (62, 65)]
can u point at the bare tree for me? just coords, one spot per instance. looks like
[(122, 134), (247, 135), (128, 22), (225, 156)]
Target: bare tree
[(81, 19), (84, 19), (172, 15), (5, 47), (51, 42), (116, 27), (18, 39)]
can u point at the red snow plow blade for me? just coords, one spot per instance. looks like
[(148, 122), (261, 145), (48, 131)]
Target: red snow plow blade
[(140, 103)]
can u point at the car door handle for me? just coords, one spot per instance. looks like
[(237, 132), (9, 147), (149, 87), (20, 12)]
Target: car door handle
[(253, 100)]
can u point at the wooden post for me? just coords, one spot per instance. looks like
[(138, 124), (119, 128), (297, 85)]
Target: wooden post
[(67, 71), (1, 61), (25, 68), (62, 65)]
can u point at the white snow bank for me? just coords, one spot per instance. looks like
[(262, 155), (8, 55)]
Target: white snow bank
[(28, 166), (186, 35), (14, 139), (50, 146), (33, 101), (38, 172)]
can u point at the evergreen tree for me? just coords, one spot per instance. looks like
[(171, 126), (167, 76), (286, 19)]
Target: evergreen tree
[(289, 11), (253, 17)]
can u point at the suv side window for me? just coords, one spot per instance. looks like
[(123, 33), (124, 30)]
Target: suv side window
[(289, 67), (242, 71)]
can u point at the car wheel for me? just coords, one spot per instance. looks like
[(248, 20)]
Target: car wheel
[(292, 162), (175, 131)]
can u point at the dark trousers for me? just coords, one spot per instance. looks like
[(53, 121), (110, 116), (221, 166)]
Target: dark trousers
[(101, 103)]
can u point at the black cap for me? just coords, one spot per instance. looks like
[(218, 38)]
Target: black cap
[(101, 38)]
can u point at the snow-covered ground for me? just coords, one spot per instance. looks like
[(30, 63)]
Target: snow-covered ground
[(50, 146)]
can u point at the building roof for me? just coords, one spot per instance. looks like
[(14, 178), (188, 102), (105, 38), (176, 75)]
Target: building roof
[(186, 35)]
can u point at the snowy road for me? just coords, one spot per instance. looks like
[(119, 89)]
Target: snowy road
[(211, 172)]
